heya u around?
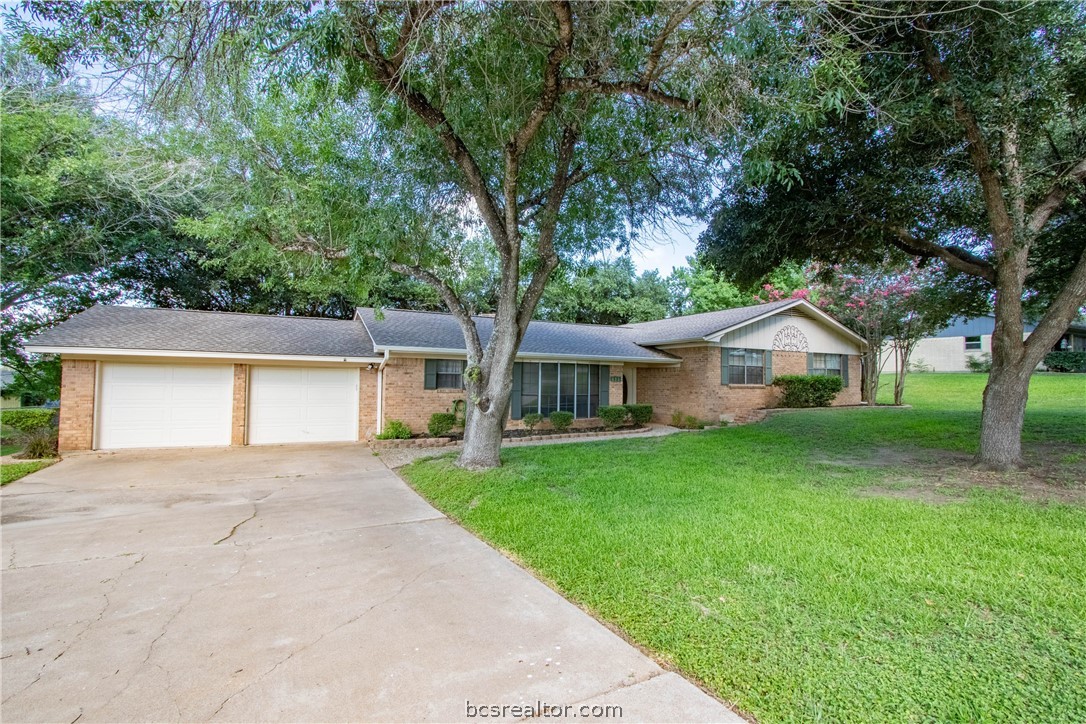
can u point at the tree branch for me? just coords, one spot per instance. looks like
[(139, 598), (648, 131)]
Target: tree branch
[(961, 259), (1057, 194), (1058, 316), (652, 64), (449, 296), (640, 89)]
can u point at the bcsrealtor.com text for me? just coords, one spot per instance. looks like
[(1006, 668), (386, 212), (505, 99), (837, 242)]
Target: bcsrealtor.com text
[(541, 710)]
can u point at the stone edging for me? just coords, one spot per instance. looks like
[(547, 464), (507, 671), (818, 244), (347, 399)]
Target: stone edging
[(436, 442)]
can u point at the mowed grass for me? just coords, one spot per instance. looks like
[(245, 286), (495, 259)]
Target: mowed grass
[(10, 472), (758, 561)]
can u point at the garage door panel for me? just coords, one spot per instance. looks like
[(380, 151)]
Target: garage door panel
[(302, 404), (150, 405)]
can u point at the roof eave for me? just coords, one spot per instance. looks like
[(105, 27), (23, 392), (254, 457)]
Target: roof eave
[(197, 354)]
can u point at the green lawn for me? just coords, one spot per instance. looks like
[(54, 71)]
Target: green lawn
[(10, 472), (842, 565)]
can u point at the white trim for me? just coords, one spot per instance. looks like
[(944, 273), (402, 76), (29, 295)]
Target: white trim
[(381, 396), (99, 352), (437, 352)]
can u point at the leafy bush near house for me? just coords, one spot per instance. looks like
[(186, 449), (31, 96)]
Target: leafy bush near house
[(26, 419), (1066, 361), (395, 430), (612, 415), (808, 390), (639, 414), (686, 422), (531, 421), (38, 443), (561, 421), (440, 423), (981, 363)]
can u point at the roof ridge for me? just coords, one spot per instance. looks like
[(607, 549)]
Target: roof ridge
[(212, 311), (490, 315)]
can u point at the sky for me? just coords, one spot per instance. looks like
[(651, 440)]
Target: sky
[(667, 247)]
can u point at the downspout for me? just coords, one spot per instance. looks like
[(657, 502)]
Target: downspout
[(381, 394)]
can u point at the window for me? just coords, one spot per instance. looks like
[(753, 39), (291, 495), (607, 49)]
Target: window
[(826, 364), (744, 366), (972, 343), (444, 374), (546, 387)]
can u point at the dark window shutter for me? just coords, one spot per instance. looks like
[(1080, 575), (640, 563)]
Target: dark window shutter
[(844, 369), (514, 398), (769, 366), (430, 380), (810, 363), (605, 385), (724, 352)]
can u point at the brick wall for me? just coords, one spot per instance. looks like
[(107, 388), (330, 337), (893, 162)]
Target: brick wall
[(77, 391), (406, 398), (240, 404), (367, 403), (694, 387)]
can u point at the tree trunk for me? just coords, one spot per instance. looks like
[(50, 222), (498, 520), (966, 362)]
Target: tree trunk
[(482, 438), (871, 373), (1002, 416)]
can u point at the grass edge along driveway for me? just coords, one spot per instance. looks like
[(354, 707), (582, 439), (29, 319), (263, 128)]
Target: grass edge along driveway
[(795, 570)]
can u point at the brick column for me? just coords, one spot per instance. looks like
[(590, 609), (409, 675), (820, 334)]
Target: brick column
[(240, 409), (77, 383), (614, 389), (367, 403)]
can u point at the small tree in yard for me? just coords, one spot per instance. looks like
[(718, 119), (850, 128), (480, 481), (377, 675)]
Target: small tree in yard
[(951, 132), (553, 128)]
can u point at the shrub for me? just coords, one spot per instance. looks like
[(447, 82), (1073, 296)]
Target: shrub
[(612, 415), (38, 443), (808, 390), (395, 430), (692, 423), (677, 418), (532, 420), (561, 421), (983, 363), (26, 419), (639, 414), (1066, 361), (440, 423)]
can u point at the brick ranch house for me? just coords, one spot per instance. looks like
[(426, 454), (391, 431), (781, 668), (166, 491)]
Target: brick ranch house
[(134, 377)]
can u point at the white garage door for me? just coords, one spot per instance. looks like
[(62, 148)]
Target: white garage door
[(303, 404), (153, 405)]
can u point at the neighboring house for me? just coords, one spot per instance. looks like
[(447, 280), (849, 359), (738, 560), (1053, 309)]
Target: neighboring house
[(7, 376), (136, 377), (950, 349)]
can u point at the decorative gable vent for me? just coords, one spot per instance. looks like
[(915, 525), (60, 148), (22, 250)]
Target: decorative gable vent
[(790, 338)]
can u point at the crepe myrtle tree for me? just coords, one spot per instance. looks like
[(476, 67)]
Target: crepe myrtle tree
[(949, 131), (558, 128)]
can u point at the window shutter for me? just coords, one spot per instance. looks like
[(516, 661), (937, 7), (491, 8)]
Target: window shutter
[(810, 363), (514, 399), (769, 366), (605, 385), (724, 352), (844, 369), (430, 379)]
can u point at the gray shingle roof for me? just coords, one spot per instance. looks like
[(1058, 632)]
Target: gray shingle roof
[(194, 331), (697, 326), (436, 330)]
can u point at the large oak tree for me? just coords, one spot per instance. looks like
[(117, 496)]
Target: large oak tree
[(949, 131), (555, 128)]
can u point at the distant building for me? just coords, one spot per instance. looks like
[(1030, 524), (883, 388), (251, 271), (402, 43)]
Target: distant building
[(7, 376), (950, 349)]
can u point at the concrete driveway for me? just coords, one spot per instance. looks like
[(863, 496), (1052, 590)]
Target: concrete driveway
[(286, 584)]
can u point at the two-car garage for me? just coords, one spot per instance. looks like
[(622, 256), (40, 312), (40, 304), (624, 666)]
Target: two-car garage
[(188, 405)]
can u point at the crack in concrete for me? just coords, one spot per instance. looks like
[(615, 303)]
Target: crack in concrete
[(77, 560), (256, 509), (320, 638), (116, 581)]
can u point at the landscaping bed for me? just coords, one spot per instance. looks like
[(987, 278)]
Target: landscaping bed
[(519, 435)]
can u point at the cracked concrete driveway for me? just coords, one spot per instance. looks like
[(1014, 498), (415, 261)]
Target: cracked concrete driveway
[(285, 584)]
